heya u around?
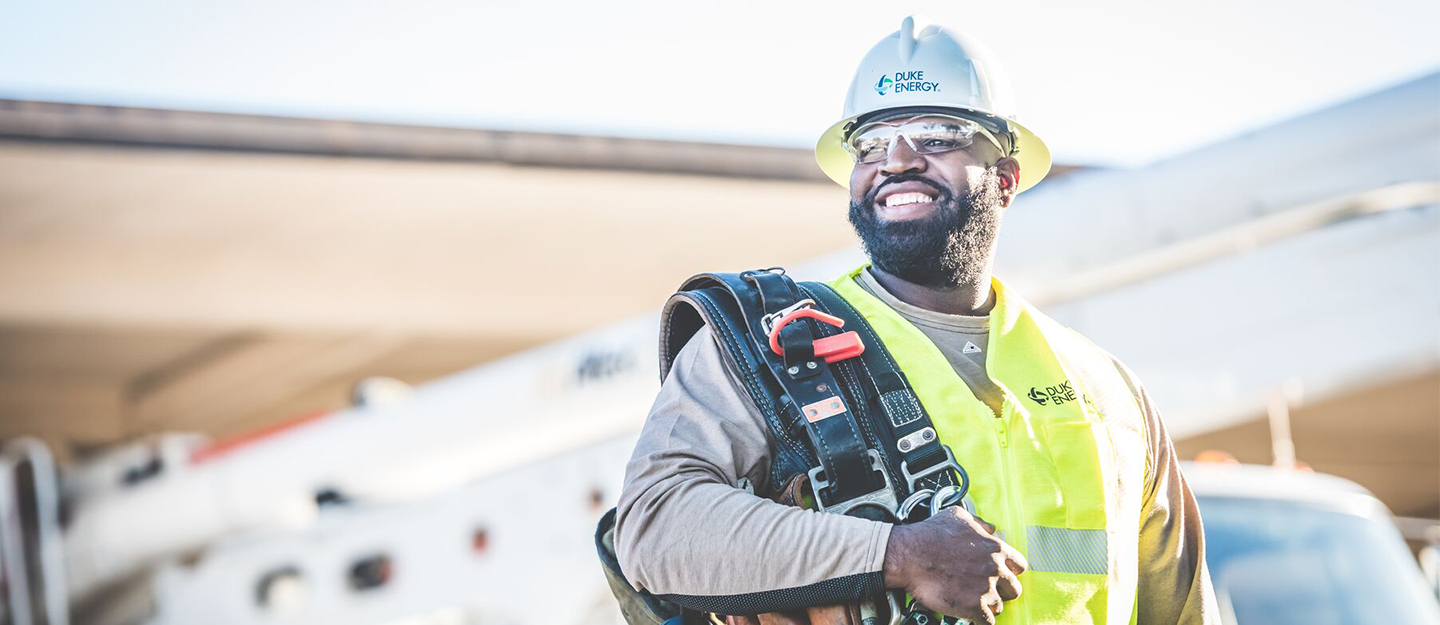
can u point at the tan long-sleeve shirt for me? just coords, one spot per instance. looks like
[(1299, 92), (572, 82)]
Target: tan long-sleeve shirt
[(686, 529)]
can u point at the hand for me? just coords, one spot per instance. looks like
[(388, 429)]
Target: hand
[(822, 615), (953, 563)]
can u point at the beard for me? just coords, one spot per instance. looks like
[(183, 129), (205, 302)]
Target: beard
[(953, 246)]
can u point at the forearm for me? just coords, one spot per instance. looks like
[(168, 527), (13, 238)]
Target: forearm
[(709, 546), (684, 529)]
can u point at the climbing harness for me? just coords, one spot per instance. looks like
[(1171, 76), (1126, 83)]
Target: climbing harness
[(839, 410)]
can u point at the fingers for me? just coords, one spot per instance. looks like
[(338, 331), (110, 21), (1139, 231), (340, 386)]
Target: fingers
[(989, 528), (983, 614), (784, 618), (989, 612), (967, 570), (1014, 560), (1012, 564), (820, 615), (1007, 585), (830, 615)]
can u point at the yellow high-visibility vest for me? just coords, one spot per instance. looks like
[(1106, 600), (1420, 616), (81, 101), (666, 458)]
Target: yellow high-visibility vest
[(1046, 471)]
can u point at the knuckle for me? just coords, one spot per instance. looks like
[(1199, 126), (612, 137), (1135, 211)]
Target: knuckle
[(1021, 565)]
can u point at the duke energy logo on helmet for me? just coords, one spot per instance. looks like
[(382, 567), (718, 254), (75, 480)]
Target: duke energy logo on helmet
[(884, 84), (905, 81)]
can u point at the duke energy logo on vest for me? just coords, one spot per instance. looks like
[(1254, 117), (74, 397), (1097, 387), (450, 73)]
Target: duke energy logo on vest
[(1056, 395), (905, 81)]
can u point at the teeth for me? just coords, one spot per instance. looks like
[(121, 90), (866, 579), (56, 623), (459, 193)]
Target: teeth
[(901, 199)]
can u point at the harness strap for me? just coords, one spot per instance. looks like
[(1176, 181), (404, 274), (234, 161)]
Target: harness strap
[(848, 470), (907, 429), (855, 449), (710, 303)]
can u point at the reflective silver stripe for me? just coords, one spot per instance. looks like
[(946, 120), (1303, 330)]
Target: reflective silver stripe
[(1060, 550)]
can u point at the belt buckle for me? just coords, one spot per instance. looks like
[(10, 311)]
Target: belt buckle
[(884, 497)]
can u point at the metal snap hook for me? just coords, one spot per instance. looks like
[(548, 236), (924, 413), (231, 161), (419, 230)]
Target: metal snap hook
[(915, 500)]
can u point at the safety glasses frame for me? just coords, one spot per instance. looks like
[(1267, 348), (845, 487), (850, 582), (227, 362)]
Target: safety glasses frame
[(899, 124)]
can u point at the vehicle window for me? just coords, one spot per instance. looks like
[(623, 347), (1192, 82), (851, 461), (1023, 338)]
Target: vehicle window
[(1282, 563)]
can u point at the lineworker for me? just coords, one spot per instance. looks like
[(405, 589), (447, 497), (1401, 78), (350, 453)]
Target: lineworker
[(1080, 512)]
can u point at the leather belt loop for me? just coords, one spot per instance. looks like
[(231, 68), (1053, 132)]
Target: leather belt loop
[(890, 381)]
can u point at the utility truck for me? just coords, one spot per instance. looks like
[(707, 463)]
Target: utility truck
[(1295, 547)]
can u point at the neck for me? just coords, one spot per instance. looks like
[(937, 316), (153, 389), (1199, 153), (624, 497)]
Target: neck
[(972, 297)]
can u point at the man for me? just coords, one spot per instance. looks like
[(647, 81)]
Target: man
[(1081, 513)]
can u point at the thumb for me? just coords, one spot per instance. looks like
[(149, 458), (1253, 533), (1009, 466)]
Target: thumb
[(989, 527)]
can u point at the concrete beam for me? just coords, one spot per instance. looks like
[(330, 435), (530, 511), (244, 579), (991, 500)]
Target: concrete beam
[(220, 242), (54, 121), (249, 375)]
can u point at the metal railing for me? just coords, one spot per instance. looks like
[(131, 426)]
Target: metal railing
[(32, 559)]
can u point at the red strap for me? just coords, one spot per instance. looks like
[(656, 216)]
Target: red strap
[(839, 347), (798, 314), (831, 348)]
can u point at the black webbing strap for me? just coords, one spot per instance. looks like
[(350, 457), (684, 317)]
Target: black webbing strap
[(736, 303), (707, 301), (735, 306), (848, 468), (802, 389), (907, 428)]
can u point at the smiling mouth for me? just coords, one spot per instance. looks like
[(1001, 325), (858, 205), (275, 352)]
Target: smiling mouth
[(907, 199), (907, 205)]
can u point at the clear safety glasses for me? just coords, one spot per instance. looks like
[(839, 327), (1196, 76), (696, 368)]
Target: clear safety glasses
[(926, 134)]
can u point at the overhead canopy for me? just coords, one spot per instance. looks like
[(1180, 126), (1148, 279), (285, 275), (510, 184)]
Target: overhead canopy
[(170, 270)]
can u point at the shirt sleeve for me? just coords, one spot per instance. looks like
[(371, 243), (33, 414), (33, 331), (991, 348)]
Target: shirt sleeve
[(1174, 585), (687, 532)]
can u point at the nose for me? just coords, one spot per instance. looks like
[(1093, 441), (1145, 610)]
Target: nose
[(902, 158)]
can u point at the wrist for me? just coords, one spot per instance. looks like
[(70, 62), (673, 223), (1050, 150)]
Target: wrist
[(897, 556)]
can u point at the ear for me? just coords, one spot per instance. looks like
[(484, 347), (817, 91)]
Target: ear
[(1009, 170)]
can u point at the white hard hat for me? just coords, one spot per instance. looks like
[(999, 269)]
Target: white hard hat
[(936, 69)]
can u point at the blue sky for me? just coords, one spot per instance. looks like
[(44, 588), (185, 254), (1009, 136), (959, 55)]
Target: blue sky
[(1116, 82)]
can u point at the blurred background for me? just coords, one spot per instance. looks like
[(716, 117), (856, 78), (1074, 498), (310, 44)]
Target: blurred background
[(337, 312)]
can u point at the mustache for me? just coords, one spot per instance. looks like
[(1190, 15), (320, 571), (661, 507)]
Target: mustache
[(899, 178)]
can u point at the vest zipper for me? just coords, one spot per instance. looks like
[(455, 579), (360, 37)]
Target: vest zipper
[(1013, 508)]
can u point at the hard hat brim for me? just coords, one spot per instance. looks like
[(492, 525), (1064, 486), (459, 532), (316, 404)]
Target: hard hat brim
[(836, 162)]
